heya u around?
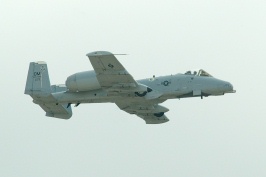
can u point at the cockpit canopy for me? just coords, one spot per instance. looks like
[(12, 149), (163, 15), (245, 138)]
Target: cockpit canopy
[(199, 72)]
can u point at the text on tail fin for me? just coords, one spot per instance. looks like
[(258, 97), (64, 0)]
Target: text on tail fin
[(38, 79)]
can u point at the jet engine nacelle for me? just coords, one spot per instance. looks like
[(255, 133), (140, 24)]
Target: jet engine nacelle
[(82, 81)]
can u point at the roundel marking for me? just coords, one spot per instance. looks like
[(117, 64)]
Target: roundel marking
[(166, 83)]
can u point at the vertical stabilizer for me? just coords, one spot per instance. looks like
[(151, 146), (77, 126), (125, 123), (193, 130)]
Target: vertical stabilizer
[(38, 81), (39, 88)]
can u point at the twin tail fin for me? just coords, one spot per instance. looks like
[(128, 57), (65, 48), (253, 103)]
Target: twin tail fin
[(39, 88)]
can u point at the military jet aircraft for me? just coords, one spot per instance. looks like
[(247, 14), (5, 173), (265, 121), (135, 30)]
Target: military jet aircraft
[(110, 82)]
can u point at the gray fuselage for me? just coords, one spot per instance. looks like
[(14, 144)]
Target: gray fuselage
[(171, 86)]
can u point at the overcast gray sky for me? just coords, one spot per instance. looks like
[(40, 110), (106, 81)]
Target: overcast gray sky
[(217, 136)]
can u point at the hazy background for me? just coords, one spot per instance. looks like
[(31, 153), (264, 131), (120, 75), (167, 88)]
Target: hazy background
[(214, 137)]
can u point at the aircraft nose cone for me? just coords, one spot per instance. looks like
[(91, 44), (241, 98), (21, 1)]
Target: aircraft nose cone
[(231, 86), (228, 87)]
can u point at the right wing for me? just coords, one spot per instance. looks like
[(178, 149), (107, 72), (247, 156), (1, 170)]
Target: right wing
[(111, 74), (109, 70), (151, 113)]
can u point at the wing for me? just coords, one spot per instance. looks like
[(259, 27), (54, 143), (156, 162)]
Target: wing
[(151, 113), (113, 77), (110, 72), (152, 119)]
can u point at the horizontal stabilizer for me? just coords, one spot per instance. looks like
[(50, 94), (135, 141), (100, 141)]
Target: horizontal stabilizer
[(39, 88), (52, 108), (57, 111)]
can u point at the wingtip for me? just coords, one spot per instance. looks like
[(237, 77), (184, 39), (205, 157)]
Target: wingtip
[(98, 53)]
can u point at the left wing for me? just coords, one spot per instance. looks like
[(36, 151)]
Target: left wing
[(151, 113), (152, 119)]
